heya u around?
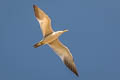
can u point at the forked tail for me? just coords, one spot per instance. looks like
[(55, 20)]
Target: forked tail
[(38, 44)]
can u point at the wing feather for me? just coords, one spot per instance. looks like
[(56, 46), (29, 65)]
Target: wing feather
[(64, 53), (44, 21)]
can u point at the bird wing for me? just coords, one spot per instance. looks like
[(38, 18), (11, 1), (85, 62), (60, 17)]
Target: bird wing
[(44, 21), (64, 53)]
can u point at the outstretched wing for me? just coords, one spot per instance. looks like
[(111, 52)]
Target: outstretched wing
[(44, 21), (64, 53)]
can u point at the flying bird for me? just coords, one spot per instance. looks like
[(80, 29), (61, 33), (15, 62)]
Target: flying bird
[(51, 38)]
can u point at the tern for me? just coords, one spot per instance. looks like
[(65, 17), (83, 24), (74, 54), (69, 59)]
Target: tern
[(51, 38)]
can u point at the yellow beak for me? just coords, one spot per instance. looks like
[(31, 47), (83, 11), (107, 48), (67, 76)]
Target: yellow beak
[(65, 30)]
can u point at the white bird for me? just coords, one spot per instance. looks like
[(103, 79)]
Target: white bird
[(51, 38)]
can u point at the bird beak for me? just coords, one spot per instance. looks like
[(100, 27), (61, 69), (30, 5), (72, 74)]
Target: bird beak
[(65, 30)]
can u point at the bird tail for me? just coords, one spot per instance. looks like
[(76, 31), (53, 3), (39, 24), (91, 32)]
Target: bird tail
[(38, 44)]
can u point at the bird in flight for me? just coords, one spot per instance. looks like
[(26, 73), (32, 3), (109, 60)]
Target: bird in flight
[(51, 38)]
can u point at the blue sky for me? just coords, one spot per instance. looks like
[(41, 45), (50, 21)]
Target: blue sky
[(93, 39)]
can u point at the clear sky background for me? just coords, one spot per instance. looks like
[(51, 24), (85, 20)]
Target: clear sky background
[(93, 39)]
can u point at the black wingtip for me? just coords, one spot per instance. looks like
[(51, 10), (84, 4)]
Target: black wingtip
[(77, 74), (70, 64), (34, 6)]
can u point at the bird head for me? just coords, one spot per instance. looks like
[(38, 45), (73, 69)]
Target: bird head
[(65, 30)]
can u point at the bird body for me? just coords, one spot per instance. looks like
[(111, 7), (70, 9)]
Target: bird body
[(51, 38)]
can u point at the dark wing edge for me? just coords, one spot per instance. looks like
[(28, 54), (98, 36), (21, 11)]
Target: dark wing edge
[(44, 21), (70, 64)]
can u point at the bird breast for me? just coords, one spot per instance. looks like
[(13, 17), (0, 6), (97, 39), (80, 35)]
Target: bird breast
[(51, 37)]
